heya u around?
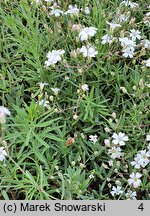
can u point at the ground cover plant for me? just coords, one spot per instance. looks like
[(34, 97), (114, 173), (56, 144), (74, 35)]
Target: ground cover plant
[(74, 92)]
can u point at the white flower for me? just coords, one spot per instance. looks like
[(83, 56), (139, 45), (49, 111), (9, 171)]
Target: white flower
[(116, 191), (54, 57), (72, 10), (135, 179), (2, 154), (148, 137), (115, 152), (120, 139), (87, 10), (147, 62), (44, 103), (130, 4), (93, 138), (87, 32), (55, 90), (142, 158), (113, 25), (126, 42), (41, 84), (107, 39), (3, 113), (88, 51), (85, 87), (123, 18), (56, 11), (136, 163), (131, 195), (128, 52), (135, 34), (145, 43)]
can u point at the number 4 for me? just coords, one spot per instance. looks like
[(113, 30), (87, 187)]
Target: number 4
[(141, 207)]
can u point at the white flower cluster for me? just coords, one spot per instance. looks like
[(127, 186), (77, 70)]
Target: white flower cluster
[(130, 195), (85, 33), (88, 50), (129, 44), (130, 39), (73, 10), (114, 144), (128, 47), (142, 158)]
